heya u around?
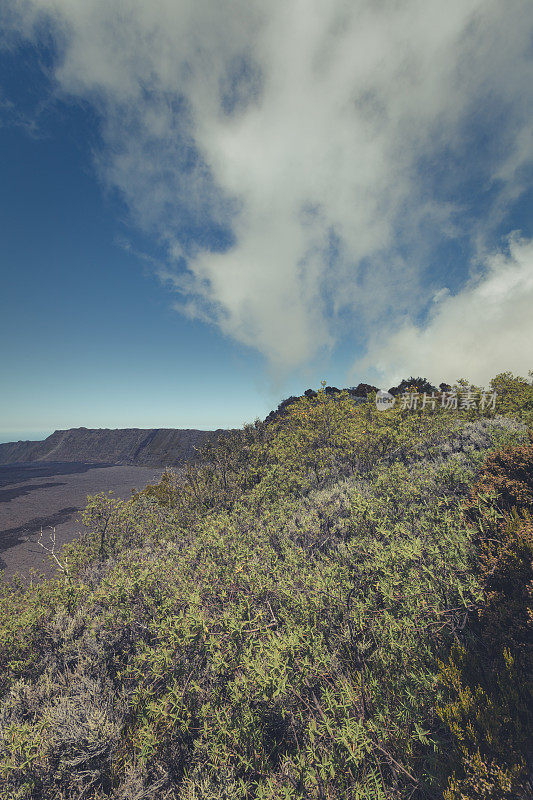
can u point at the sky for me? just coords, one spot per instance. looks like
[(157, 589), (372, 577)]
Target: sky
[(207, 206)]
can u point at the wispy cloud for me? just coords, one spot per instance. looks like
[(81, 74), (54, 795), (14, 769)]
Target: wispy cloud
[(302, 162)]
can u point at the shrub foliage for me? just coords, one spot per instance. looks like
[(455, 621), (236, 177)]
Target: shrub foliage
[(489, 683), (335, 604)]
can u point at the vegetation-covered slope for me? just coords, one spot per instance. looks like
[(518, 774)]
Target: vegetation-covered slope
[(333, 605)]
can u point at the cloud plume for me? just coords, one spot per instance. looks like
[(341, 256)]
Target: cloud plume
[(303, 162)]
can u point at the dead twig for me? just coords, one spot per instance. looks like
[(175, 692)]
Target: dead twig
[(63, 567)]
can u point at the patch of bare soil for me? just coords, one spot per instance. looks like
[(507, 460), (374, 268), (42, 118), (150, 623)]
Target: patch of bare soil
[(50, 495)]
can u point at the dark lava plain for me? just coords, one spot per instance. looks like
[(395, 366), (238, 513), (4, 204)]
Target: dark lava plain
[(50, 495)]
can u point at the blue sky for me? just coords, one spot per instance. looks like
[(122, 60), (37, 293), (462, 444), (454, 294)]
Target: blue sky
[(209, 206)]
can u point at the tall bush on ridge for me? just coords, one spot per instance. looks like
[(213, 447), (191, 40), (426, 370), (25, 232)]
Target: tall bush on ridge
[(515, 394)]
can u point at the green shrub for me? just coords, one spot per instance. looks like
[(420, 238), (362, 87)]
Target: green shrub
[(515, 394)]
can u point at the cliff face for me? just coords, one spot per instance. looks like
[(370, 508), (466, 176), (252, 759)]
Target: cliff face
[(156, 447)]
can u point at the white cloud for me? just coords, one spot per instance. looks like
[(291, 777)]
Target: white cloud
[(289, 123), (485, 329)]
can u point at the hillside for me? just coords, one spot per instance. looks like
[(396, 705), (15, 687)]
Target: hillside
[(153, 447), (333, 605)]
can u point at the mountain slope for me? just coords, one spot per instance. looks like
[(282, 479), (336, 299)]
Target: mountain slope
[(152, 447)]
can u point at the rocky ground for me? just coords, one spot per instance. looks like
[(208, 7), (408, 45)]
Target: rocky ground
[(51, 495)]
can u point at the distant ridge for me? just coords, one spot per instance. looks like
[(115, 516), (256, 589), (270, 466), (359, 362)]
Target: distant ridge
[(154, 447)]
